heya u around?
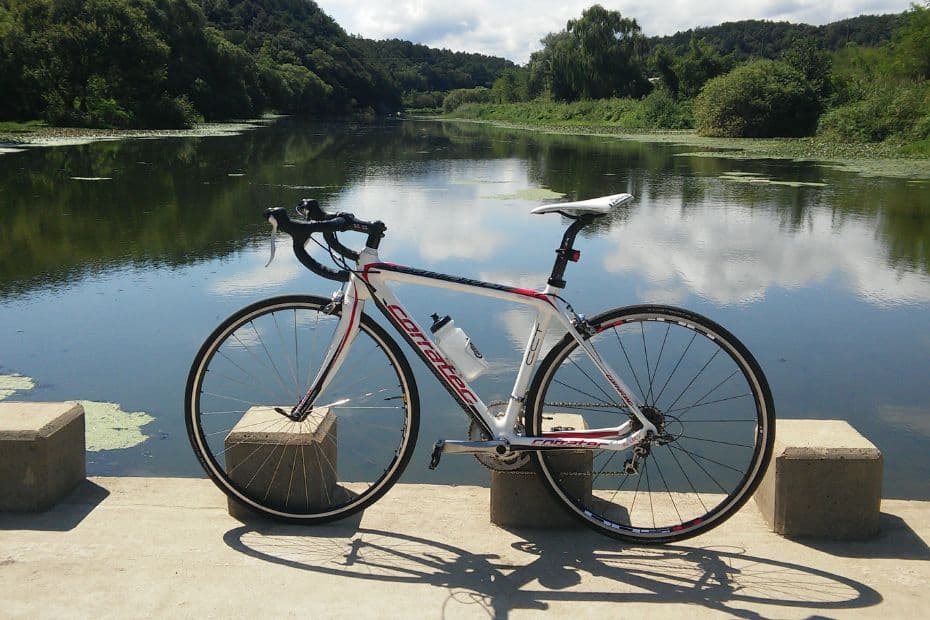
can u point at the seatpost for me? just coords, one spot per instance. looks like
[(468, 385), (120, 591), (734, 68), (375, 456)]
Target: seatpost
[(566, 252)]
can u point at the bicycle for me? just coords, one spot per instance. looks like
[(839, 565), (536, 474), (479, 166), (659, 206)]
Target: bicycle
[(304, 409)]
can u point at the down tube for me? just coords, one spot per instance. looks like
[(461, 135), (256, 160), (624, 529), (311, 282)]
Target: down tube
[(448, 376)]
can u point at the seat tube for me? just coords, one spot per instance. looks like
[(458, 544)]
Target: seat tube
[(341, 342), (525, 374)]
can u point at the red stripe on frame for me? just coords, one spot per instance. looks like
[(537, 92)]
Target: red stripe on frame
[(580, 434)]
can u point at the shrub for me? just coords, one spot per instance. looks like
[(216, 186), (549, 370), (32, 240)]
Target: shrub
[(461, 96), (759, 99), (659, 110), (168, 113), (889, 110)]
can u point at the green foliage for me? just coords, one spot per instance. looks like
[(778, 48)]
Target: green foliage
[(760, 99), (460, 96), (162, 63), (418, 68), (765, 39), (912, 44), (856, 70), (658, 110), (889, 110), (511, 86), (701, 63), (809, 60), (597, 55), (664, 62)]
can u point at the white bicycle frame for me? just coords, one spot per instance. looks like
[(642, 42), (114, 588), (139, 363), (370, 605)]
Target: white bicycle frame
[(370, 282)]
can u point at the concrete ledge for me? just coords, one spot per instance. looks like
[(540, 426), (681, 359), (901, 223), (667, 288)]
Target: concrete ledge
[(824, 481), (259, 435), (522, 498), (41, 454)]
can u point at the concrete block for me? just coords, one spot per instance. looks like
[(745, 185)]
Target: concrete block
[(260, 447), (824, 481), (522, 498), (41, 454)]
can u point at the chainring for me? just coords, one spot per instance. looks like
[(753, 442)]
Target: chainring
[(510, 462)]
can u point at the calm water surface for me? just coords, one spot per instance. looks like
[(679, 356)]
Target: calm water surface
[(108, 286)]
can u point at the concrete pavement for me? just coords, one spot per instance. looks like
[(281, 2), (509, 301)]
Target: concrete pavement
[(144, 547)]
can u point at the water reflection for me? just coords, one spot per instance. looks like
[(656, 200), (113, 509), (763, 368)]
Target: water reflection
[(827, 279), (728, 254)]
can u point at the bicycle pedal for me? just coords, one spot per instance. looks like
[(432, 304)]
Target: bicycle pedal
[(436, 455), (629, 467)]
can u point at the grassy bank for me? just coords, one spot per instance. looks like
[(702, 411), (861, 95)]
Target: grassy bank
[(655, 111), (616, 117)]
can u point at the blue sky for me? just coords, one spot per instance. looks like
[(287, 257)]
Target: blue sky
[(512, 29)]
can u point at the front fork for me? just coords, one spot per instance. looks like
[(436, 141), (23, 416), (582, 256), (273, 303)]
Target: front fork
[(351, 306)]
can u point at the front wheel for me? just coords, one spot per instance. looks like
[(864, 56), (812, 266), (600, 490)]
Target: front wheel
[(696, 383), (344, 455)]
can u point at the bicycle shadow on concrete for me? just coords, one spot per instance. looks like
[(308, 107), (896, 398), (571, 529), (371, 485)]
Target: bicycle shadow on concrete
[(63, 516), (573, 567), (895, 541)]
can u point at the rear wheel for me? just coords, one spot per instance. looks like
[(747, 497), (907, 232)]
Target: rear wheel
[(696, 383), (349, 450)]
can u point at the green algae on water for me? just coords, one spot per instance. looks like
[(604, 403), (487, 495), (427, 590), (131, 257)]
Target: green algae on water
[(748, 177), (14, 383), (107, 426), (111, 428), (533, 194)]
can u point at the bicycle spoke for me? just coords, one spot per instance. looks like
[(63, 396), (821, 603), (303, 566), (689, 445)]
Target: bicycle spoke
[(695, 378), (642, 392), (580, 391), (655, 371), (717, 441), (714, 402), (675, 369), (593, 382)]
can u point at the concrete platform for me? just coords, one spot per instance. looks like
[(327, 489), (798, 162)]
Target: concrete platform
[(141, 548), (41, 453), (824, 481)]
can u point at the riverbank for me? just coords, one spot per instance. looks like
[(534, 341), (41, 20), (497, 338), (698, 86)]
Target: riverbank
[(168, 547), (14, 136), (883, 159)]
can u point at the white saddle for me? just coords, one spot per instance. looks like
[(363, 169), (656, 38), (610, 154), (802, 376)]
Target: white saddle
[(594, 206)]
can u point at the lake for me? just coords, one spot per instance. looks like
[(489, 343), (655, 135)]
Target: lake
[(120, 257)]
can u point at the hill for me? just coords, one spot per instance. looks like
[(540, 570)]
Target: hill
[(767, 39)]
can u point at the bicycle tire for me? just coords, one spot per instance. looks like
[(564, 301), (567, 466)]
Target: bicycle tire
[(713, 460), (353, 446)]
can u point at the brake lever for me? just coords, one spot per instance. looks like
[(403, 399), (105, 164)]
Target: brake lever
[(274, 234)]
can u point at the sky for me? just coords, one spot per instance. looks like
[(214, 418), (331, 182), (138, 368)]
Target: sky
[(513, 28)]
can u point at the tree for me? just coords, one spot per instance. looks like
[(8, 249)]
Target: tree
[(700, 64), (664, 62), (812, 62), (95, 61), (597, 55), (511, 86), (759, 99), (912, 45)]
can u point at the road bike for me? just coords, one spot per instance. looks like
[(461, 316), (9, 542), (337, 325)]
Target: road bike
[(648, 423)]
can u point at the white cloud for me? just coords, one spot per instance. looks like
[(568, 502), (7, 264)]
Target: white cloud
[(255, 277), (513, 29), (729, 255)]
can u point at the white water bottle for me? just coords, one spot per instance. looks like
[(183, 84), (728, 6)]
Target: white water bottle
[(458, 348)]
